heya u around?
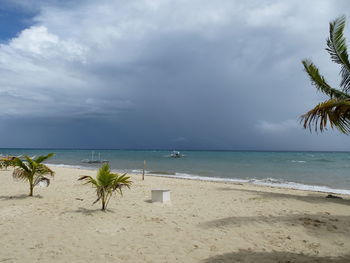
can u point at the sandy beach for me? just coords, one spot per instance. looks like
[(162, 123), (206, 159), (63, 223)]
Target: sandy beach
[(204, 222)]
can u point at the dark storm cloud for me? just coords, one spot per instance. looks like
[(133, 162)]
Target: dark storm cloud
[(163, 74)]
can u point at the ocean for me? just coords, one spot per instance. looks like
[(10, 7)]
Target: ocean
[(318, 171)]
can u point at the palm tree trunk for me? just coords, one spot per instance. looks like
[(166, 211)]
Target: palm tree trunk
[(103, 202), (31, 189)]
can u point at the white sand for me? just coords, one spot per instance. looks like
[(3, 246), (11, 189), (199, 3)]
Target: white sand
[(205, 222)]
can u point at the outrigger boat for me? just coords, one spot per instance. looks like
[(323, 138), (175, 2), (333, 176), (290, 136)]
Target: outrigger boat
[(176, 154), (94, 161)]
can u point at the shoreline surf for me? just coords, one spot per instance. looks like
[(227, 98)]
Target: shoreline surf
[(271, 182)]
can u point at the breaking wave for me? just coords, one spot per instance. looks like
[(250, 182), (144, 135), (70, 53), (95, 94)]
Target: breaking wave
[(266, 182)]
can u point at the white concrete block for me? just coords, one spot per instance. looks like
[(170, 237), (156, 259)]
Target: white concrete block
[(160, 195)]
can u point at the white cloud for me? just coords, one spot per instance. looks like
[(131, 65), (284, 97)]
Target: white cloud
[(37, 42)]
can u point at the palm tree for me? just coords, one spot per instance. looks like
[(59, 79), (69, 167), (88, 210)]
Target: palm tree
[(106, 183), (32, 170), (336, 110)]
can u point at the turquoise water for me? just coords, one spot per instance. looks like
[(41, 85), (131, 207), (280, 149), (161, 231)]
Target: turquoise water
[(323, 171)]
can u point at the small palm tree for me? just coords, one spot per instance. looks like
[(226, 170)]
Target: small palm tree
[(32, 170), (335, 110), (106, 183)]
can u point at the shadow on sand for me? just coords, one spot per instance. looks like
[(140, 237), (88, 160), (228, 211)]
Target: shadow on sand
[(311, 198), (313, 224), (247, 256), (90, 212), (18, 197)]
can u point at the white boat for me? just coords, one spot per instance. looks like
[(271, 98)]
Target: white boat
[(176, 154), (92, 160)]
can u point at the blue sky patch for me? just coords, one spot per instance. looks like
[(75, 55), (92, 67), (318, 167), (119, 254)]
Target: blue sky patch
[(13, 21)]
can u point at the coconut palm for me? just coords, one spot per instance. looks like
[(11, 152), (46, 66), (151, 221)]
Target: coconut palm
[(106, 183), (32, 170), (336, 110)]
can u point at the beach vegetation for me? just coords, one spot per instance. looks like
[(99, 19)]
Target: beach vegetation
[(106, 184), (32, 170), (6, 162), (335, 111)]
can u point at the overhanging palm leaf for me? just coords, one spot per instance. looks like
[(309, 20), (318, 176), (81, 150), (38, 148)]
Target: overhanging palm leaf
[(320, 83), (338, 51), (336, 110), (106, 183)]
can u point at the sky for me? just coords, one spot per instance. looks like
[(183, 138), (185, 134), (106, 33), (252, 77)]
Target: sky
[(161, 74)]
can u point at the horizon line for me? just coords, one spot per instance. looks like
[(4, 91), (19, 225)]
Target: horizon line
[(168, 149)]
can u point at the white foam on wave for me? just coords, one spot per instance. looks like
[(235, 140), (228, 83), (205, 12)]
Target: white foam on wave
[(266, 182), (201, 178), (71, 166), (296, 161), (298, 186), (138, 171)]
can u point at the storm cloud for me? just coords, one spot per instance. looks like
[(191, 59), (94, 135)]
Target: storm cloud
[(188, 74)]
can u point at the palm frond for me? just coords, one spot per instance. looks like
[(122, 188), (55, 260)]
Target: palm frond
[(42, 179), (30, 162), (338, 51), (20, 164), (320, 83), (336, 112), (42, 169), (105, 169), (122, 180), (20, 174), (104, 176), (88, 180), (42, 158)]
